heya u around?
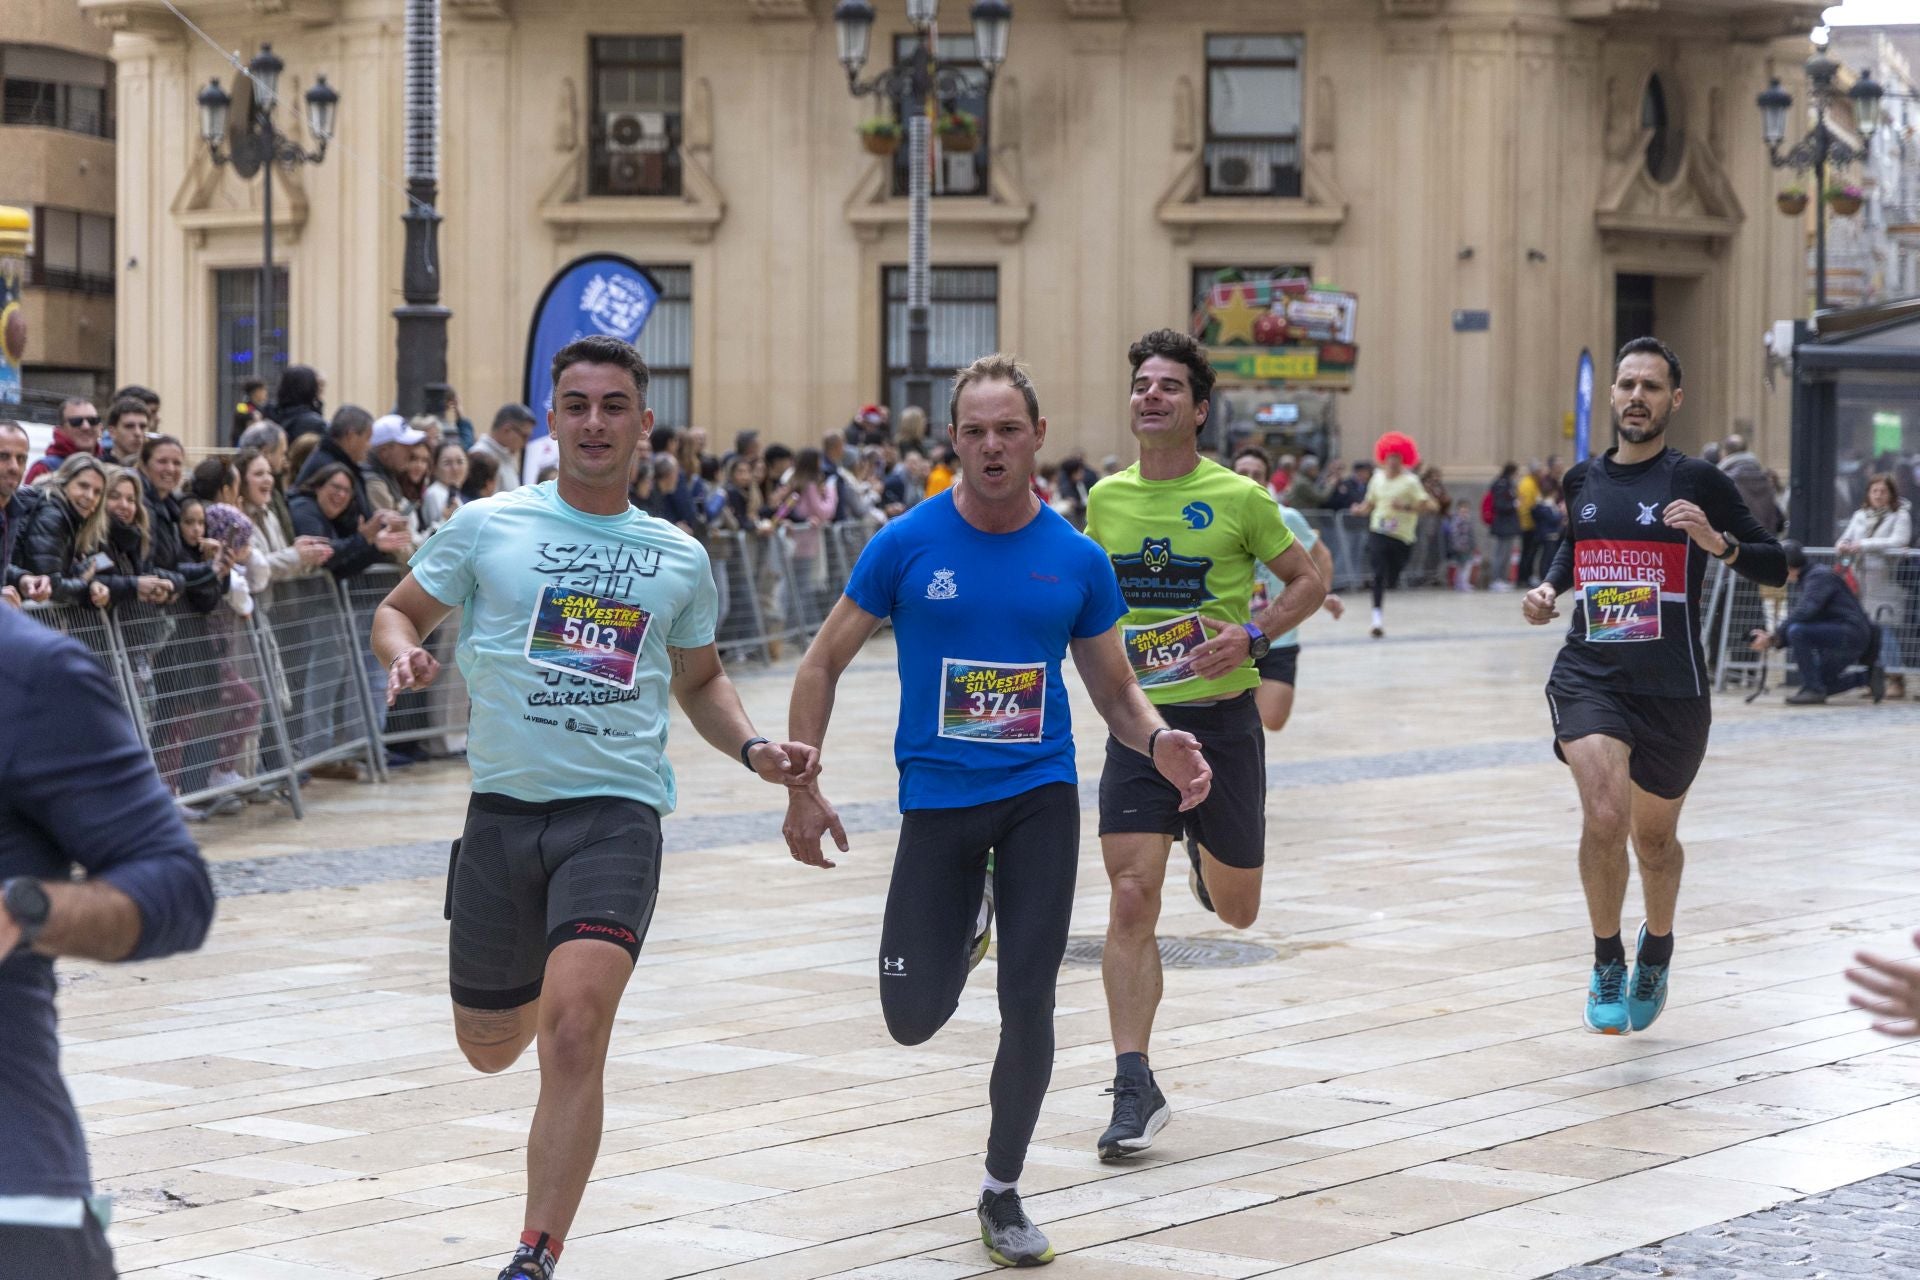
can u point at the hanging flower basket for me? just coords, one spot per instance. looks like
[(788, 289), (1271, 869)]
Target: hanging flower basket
[(1792, 202), (880, 136), (959, 131), (1845, 200)]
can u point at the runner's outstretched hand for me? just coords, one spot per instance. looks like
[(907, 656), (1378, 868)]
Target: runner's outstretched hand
[(1177, 756), (413, 669), (1225, 650), (1538, 605), (1890, 990), (809, 817), (787, 764)]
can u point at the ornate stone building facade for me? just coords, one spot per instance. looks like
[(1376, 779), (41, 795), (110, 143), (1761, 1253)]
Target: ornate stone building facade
[(1574, 169)]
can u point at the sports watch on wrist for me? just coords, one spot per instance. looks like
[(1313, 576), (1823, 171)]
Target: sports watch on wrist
[(26, 901), (1257, 642)]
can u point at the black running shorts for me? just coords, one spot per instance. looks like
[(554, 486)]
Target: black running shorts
[(69, 1253), (1280, 664), (527, 877), (1667, 736), (1232, 821)]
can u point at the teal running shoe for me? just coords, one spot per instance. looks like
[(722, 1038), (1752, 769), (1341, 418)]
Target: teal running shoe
[(1647, 990), (1607, 999)]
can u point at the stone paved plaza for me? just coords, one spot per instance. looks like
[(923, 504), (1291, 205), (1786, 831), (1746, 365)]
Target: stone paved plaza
[(1402, 1090)]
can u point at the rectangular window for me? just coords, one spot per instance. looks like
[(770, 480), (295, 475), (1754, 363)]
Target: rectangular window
[(71, 250), (957, 170), (963, 324), (1253, 115), (55, 89), (633, 132), (666, 344), (238, 356)]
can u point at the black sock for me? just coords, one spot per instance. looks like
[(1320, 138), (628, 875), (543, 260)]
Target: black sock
[(1608, 950), (1654, 948), (1133, 1064)]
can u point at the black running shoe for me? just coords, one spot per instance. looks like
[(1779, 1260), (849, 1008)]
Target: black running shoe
[(1008, 1233), (1140, 1110), (1196, 881), (529, 1264)]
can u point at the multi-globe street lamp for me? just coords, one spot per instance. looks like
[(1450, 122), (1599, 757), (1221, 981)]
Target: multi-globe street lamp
[(917, 87), (253, 144), (1821, 146)]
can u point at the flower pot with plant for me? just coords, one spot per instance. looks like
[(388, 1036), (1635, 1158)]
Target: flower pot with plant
[(959, 131), (1845, 198), (1792, 201), (880, 135)]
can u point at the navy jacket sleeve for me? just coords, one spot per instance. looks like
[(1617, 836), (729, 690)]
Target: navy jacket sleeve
[(1815, 602), (72, 769), (1761, 557)]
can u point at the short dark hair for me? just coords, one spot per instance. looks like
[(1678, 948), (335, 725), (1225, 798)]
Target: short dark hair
[(598, 349), (154, 444), (998, 367), (511, 412), (134, 391), (349, 420), (1795, 553), (210, 476), (122, 407), (252, 385), (1174, 345), (1650, 347), (322, 474), (1253, 451), (69, 402), (480, 469)]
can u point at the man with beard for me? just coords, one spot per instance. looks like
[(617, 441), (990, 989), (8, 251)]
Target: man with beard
[(1628, 693)]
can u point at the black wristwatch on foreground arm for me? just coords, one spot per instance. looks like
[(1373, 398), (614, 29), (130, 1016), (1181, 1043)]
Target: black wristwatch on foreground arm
[(26, 901), (1729, 551)]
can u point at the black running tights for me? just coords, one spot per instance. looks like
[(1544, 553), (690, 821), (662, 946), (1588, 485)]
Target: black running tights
[(1387, 556), (939, 873)]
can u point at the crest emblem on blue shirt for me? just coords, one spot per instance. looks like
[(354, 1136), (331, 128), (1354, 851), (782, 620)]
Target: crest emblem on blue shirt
[(1198, 515), (943, 586)]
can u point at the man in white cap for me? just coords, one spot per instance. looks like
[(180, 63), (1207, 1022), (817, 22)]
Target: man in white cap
[(386, 463)]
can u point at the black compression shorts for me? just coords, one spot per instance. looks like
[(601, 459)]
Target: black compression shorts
[(1667, 737), (527, 877), (1232, 821)]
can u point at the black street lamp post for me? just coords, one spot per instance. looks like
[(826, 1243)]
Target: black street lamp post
[(253, 144), (917, 87), (421, 323), (1821, 147)]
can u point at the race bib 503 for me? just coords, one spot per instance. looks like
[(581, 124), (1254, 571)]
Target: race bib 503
[(582, 634)]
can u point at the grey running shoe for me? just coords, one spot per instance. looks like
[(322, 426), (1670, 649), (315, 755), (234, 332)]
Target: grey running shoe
[(1009, 1234), (1140, 1110), (1195, 880), (982, 930)]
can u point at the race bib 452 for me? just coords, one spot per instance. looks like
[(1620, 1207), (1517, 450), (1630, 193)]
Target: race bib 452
[(1161, 653), (993, 701)]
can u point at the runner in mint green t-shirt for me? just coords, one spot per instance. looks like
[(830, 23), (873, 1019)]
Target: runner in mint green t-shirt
[(1279, 670), (579, 617)]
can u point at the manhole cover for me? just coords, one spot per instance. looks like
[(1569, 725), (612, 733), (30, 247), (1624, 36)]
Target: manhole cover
[(1182, 953)]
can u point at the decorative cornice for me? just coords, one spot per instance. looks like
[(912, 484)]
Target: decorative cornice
[(1005, 210), (211, 198), (1185, 207), (311, 13), (779, 10), (147, 18), (1108, 9)]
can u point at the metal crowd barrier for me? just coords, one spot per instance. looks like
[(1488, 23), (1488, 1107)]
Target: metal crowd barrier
[(1345, 535), (1889, 583), (232, 705)]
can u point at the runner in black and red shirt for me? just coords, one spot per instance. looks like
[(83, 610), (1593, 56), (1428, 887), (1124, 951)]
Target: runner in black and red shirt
[(1629, 690)]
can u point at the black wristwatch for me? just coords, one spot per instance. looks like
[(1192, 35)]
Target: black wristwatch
[(746, 750), (1726, 554), (1257, 642), (26, 901)]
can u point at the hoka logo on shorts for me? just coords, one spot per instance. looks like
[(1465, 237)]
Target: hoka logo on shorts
[(1156, 578), (1647, 511), (1198, 515), (942, 587)]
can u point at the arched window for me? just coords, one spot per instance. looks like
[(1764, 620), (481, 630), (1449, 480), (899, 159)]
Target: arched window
[(1668, 142)]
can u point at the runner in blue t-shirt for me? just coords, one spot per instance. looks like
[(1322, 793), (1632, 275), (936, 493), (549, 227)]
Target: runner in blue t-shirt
[(988, 588), (579, 617)]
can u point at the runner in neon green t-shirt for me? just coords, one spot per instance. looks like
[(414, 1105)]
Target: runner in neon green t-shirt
[(1183, 535)]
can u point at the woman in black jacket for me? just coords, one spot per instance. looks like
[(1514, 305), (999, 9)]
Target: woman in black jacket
[(323, 508), (1505, 526), (71, 517), (162, 462), (127, 540), (296, 403)]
